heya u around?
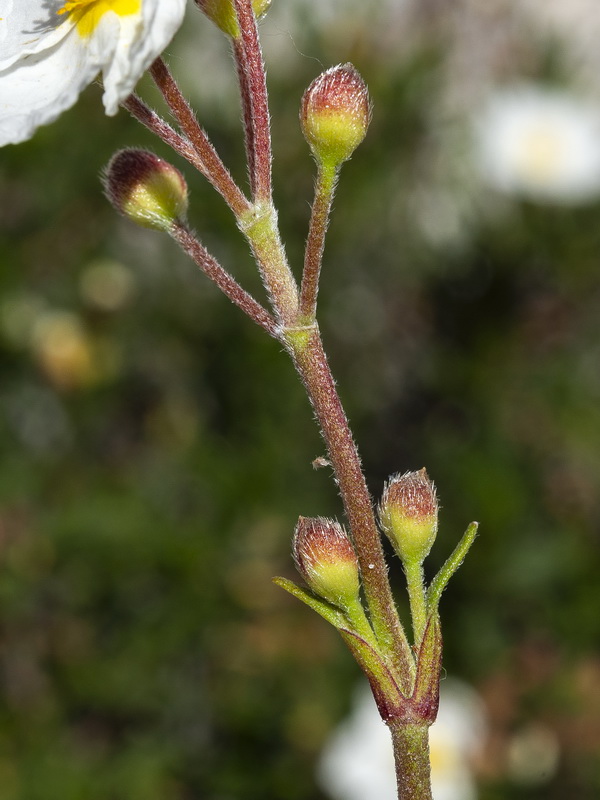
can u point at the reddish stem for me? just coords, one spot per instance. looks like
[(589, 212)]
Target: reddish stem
[(228, 285), (248, 55), (311, 362), (315, 243), (138, 109), (245, 97), (213, 167)]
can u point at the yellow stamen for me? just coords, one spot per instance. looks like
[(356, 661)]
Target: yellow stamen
[(88, 13)]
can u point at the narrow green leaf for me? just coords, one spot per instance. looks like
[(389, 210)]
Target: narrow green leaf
[(326, 610), (439, 583)]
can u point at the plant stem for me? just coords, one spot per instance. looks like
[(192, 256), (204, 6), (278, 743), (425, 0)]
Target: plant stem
[(212, 166), (416, 595), (138, 109), (254, 95), (315, 243), (228, 285), (259, 227), (411, 756), (246, 100), (309, 358)]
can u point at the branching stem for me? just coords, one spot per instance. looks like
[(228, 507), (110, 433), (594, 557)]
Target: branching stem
[(228, 285), (211, 165)]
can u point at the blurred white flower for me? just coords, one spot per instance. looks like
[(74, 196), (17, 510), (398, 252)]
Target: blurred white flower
[(533, 755), (357, 763), (540, 143), (52, 49)]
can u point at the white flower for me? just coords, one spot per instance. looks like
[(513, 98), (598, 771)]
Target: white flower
[(358, 763), (540, 143), (50, 50)]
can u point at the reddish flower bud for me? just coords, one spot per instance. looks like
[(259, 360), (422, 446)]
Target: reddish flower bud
[(326, 560), (222, 13), (146, 189), (335, 114), (408, 514)]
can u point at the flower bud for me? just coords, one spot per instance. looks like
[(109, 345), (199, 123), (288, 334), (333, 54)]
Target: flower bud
[(335, 114), (326, 560), (146, 189), (222, 13), (408, 514)]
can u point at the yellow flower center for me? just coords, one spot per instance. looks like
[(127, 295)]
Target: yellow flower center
[(88, 13)]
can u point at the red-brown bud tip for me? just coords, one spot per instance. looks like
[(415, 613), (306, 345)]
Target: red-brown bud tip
[(335, 114), (145, 188), (326, 560), (408, 513)]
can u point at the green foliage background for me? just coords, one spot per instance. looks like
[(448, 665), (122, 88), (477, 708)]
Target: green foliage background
[(144, 654)]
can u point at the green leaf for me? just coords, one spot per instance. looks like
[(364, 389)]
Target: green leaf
[(329, 612), (439, 583)]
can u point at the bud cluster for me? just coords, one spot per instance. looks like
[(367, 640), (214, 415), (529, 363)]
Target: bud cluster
[(326, 560)]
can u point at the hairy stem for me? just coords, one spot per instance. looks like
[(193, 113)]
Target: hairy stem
[(411, 757), (248, 55), (309, 358), (151, 120), (246, 100), (212, 166), (260, 229), (416, 595), (315, 243), (228, 285)]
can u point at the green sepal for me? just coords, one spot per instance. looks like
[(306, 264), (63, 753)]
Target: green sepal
[(328, 611), (426, 694), (388, 696), (439, 583)]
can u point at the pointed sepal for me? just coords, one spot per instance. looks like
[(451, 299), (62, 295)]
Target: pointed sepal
[(439, 583), (326, 610), (426, 694)]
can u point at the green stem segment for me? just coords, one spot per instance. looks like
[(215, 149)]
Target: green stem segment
[(411, 755), (416, 596)]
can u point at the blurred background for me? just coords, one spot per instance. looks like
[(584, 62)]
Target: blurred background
[(156, 447)]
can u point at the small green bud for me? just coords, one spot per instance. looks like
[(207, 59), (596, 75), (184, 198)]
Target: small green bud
[(222, 13), (148, 190), (335, 114), (409, 514), (326, 560)]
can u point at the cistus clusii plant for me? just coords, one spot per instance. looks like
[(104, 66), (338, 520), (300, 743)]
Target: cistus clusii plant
[(50, 52)]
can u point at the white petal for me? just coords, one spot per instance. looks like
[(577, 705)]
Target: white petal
[(37, 89), (45, 63), (30, 26), (138, 46)]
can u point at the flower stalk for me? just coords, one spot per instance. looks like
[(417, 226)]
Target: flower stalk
[(210, 162), (411, 756), (315, 243), (250, 64)]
